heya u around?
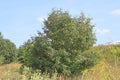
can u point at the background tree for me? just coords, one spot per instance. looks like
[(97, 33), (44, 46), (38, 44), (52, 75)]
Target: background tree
[(7, 50)]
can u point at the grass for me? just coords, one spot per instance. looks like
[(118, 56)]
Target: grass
[(102, 71), (9, 71)]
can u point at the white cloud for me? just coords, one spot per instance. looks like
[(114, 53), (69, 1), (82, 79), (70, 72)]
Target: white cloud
[(42, 19), (117, 42), (102, 31), (116, 12)]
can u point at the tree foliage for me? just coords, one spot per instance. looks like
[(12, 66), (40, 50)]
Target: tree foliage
[(69, 33), (60, 47), (7, 50)]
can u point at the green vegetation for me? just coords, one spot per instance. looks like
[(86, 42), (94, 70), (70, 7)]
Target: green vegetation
[(7, 50), (61, 46), (107, 68), (64, 51)]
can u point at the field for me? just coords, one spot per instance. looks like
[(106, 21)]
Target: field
[(10, 71), (107, 68), (102, 71)]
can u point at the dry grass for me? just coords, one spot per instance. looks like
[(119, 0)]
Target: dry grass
[(102, 71), (9, 71)]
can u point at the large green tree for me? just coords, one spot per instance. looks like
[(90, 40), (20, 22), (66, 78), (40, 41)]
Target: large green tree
[(69, 36), (62, 44)]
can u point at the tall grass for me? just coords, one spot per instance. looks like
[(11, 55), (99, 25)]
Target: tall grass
[(102, 71)]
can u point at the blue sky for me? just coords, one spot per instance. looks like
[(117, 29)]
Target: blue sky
[(21, 19)]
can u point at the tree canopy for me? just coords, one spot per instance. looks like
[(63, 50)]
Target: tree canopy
[(62, 44), (69, 33), (7, 50)]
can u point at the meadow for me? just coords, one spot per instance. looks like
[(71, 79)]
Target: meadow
[(108, 68)]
